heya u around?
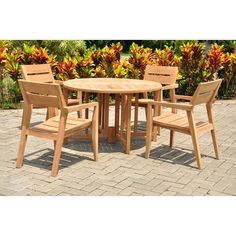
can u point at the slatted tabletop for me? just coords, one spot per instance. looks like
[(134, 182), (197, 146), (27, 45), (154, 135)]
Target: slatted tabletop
[(112, 85)]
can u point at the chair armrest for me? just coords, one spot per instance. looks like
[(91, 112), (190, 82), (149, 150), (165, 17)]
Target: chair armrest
[(183, 97), (170, 86), (60, 82), (80, 107), (186, 107)]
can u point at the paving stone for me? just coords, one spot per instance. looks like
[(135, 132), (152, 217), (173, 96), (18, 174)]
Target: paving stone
[(154, 182), (200, 192), (231, 190), (76, 192), (168, 193), (167, 172), (232, 171), (124, 184), (216, 193), (91, 187), (127, 191), (161, 188), (96, 192), (110, 189), (109, 194), (6, 192), (221, 185)]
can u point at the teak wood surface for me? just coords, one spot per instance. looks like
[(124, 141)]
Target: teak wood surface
[(55, 128), (204, 94), (123, 90), (42, 73), (167, 76)]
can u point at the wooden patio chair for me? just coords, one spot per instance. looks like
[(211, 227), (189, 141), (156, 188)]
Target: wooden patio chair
[(43, 73), (55, 128), (204, 94), (167, 76)]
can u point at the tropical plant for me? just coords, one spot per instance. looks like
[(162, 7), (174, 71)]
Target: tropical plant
[(66, 69), (139, 58), (166, 57), (121, 68), (228, 74), (192, 55)]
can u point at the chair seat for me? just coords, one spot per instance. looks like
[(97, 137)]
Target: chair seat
[(51, 125), (178, 123)]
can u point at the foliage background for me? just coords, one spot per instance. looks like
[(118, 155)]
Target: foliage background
[(198, 60)]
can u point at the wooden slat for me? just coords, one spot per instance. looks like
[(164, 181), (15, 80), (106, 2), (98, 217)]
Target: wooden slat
[(180, 124), (42, 134), (203, 97), (41, 88), (43, 101), (161, 74), (206, 92), (43, 78), (52, 125), (39, 68)]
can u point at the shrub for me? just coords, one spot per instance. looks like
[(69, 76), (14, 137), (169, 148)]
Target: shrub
[(70, 59), (139, 58), (166, 57)]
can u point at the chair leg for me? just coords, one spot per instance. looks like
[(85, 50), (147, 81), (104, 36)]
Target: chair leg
[(215, 144), (148, 132), (57, 157), (95, 121), (213, 132), (95, 143), (173, 110), (171, 138), (158, 95), (79, 97), (136, 113), (21, 150), (195, 140)]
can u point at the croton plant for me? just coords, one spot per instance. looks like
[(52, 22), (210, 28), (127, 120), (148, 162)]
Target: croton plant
[(196, 63)]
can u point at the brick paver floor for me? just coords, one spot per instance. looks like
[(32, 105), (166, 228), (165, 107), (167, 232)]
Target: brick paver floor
[(168, 172)]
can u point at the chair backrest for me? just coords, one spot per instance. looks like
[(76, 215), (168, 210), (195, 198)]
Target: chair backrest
[(161, 74), (38, 73), (206, 92), (42, 94)]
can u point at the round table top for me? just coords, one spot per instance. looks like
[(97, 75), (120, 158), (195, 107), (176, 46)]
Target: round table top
[(112, 85)]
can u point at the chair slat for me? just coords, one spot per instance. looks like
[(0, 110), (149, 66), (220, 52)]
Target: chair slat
[(43, 78), (40, 68), (206, 92), (41, 88), (42, 100), (161, 74)]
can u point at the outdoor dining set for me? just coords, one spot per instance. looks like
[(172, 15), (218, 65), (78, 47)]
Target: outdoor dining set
[(92, 119)]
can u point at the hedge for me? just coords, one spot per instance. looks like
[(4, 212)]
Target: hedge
[(197, 62)]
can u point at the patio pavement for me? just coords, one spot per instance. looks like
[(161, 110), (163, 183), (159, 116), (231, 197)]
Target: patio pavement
[(169, 172)]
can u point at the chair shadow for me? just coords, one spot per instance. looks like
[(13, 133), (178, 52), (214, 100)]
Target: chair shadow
[(45, 160), (176, 155), (85, 145)]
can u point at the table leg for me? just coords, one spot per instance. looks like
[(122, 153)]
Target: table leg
[(100, 100), (136, 113), (106, 114), (128, 123), (66, 95), (117, 113), (172, 98), (123, 107), (157, 112)]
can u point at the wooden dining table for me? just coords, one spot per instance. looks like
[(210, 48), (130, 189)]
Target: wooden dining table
[(123, 90)]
